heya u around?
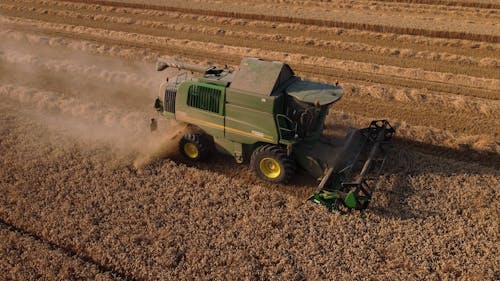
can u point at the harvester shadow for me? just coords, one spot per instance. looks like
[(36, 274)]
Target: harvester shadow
[(394, 193), (465, 154), (402, 164), (301, 185), (395, 201), (397, 192)]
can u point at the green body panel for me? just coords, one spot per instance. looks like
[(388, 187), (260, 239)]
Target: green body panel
[(250, 100), (350, 200), (232, 148), (248, 126)]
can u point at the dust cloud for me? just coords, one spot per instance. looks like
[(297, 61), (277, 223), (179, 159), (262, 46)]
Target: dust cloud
[(98, 99)]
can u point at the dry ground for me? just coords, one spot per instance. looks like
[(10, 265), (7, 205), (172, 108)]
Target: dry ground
[(77, 83)]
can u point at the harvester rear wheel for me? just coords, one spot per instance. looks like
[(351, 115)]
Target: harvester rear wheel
[(195, 146), (271, 163)]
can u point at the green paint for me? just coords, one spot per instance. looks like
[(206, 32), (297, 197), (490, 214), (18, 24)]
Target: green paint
[(350, 200)]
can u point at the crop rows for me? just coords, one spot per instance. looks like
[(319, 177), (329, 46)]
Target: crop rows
[(474, 4), (301, 42), (62, 67), (362, 103), (157, 41), (307, 21), (383, 39), (87, 192)]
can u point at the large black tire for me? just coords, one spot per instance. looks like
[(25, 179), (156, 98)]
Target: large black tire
[(271, 163), (195, 146)]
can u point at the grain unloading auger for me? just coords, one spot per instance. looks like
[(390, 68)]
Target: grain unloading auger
[(264, 113)]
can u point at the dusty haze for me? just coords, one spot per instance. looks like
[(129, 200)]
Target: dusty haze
[(87, 192)]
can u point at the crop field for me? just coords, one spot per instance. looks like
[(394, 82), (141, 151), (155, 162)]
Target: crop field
[(88, 192)]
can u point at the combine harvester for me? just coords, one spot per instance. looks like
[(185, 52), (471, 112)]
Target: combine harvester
[(265, 113)]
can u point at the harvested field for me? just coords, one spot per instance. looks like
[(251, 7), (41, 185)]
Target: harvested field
[(87, 192)]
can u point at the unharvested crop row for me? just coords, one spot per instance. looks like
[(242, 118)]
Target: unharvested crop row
[(331, 45), (382, 7), (474, 4), (382, 39), (308, 21), (429, 4), (320, 62), (482, 4), (427, 126), (417, 97)]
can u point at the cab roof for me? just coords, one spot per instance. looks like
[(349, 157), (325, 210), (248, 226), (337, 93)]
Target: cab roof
[(261, 77)]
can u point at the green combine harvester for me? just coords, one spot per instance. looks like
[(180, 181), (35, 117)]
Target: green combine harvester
[(265, 113)]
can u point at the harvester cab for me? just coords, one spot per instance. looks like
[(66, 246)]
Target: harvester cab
[(266, 114)]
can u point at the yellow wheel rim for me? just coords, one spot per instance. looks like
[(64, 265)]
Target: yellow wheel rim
[(191, 150), (270, 168)]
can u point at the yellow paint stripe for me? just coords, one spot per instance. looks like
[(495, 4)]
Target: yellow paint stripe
[(217, 126)]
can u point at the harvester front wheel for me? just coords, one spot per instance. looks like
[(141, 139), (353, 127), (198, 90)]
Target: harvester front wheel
[(195, 146), (271, 163)]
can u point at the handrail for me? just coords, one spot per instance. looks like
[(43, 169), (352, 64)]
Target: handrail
[(280, 129)]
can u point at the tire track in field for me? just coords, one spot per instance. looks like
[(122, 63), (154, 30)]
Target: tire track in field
[(308, 21), (67, 250), (282, 39)]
